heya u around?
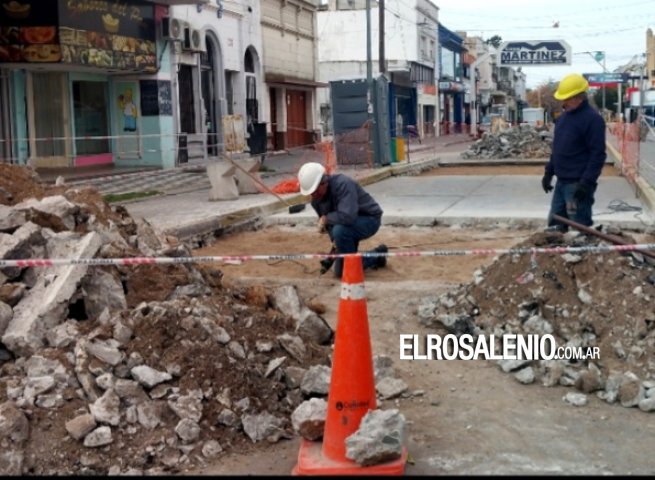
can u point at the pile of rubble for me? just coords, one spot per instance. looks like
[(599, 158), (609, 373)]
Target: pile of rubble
[(149, 369), (522, 141), (597, 300), (135, 369)]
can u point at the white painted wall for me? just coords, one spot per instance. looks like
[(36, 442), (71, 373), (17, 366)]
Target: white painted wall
[(238, 29), (342, 34)]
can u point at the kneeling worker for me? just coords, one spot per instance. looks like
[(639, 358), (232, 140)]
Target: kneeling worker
[(345, 210)]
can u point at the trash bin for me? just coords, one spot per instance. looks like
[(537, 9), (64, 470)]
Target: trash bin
[(257, 139), (400, 149), (392, 143)]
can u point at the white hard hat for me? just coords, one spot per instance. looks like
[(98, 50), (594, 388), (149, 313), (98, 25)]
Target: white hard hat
[(309, 176)]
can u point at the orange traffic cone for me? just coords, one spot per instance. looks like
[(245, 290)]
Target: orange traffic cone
[(352, 387)]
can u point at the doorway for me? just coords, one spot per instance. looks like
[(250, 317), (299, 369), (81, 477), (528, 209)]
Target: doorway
[(187, 110), (296, 118), (90, 114), (5, 120), (49, 120), (208, 79)]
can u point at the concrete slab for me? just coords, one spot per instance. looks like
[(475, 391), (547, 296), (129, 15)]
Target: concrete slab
[(406, 198), (485, 199)]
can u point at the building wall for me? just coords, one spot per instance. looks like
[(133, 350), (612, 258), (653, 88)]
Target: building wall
[(237, 30), (342, 34), (288, 38), (290, 63), (650, 58)]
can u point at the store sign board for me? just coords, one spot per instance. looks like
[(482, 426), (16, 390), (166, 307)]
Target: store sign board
[(108, 33), (540, 52), (455, 87), (604, 78), (133, 18)]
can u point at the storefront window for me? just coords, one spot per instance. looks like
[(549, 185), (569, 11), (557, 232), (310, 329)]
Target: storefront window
[(90, 110), (49, 107)]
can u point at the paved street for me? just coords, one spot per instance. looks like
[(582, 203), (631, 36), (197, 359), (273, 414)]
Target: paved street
[(406, 198)]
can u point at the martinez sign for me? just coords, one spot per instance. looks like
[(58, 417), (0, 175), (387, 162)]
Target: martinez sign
[(539, 52)]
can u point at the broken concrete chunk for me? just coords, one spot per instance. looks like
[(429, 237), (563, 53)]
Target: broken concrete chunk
[(44, 306), (80, 426), (308, 419), (389, 387), (378, 439), (149, 377)]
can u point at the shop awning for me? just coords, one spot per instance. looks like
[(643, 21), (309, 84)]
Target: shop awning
[(283, 80), (180, 2)]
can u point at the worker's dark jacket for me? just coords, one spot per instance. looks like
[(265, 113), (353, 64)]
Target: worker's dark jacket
[(344, 201), (578, 153)]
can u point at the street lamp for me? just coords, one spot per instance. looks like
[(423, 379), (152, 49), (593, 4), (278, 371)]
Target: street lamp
[(598, 56)]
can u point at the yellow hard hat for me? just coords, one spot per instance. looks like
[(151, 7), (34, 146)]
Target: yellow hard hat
[(570, 86)]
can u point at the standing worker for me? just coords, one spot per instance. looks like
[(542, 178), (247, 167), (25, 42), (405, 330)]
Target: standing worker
[(577, 157), (346, 212)]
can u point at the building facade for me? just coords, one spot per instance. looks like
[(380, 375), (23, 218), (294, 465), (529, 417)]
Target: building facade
[(410, 53), (451, 81), (290, 72), (85, 83)]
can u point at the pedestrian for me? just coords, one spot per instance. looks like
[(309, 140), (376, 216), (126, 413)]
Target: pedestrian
[(578, 155), (346, 212)]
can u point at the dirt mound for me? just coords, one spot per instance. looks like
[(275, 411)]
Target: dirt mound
[(582, 299), (142, 369)]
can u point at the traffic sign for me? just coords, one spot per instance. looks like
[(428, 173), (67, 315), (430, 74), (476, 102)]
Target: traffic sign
[(535, 52), (600, 78)]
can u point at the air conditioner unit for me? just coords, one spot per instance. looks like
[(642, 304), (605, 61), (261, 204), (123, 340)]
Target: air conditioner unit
[(173, 28), (198, 41)]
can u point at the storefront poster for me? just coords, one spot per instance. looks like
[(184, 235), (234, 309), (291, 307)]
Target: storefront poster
[(28, 32), (126, 101), (116, 34), (155, 97), (109, 34)]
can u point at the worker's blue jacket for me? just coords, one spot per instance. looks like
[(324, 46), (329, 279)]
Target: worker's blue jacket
[(578, 152)]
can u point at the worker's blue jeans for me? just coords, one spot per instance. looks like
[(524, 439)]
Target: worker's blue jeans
[(347, 238), (564, 205)]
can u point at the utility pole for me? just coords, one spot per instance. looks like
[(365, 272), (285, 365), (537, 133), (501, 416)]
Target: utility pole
[(473, 91), (383, 61), (604, 74), (372, 122)]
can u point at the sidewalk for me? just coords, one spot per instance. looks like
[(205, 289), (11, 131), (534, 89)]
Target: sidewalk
[(277, 166), (406, 197)]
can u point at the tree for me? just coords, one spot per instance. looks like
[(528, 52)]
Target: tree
[(611, 98), (542, 96), (496, 40)]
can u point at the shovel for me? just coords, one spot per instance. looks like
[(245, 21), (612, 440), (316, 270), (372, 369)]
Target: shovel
[(292, 208)]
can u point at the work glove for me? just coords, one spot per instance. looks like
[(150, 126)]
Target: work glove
[(546, 182), (581, 192)]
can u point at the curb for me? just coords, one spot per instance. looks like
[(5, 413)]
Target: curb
[(250, 216)]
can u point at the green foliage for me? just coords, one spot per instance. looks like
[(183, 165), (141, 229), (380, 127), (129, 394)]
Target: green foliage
[(611, 98), (496, 40), (124, 197)]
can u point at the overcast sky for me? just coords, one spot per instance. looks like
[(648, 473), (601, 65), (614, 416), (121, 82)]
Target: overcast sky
[(616, 27)]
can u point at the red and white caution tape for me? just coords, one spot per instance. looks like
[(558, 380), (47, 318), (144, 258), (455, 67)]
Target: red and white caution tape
[(53, 262)]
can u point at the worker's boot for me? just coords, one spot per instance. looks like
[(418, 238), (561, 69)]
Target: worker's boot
[(382, 259)]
